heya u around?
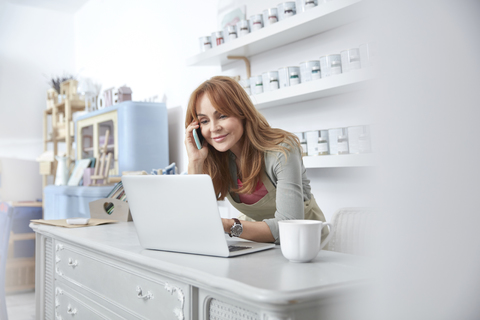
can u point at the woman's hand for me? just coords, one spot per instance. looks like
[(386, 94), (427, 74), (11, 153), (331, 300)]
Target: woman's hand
[(196, 157)]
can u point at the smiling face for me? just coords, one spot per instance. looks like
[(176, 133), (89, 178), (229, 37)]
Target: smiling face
[(221, 131)]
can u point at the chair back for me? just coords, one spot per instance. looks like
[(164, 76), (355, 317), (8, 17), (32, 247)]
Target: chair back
[(353, 231), (6, 221)]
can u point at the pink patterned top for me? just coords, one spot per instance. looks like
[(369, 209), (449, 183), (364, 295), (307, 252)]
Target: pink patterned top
[(259, 193)]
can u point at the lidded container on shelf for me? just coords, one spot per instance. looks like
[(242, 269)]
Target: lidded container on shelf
[(359, 139), (284, 76), (270, 16), (294, 78), (205, 43), (308, 4), (310, 70), (350, 59), (230, 33), (286, 9), (367, 54), (330, 65), (322, 144), (270, 81), (217, 38), (256, 22), (245, 83), (256, 85), (303, 142), (243, 28)]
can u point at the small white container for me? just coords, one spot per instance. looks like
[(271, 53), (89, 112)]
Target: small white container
[(322, 144), (306, 70), (256, 22), (256, 85), (286, 10), (270, 81), (284, 75), (342, 141), (359, 139), (308, 4), (230, 33), (294, 78), (243, 28), (316, 73), (245, 83), (350, 59), (333, 135), (312, 143), (270, 16), (205, 43), (367, 54), (303, 142), (217, 38), (331, 65)]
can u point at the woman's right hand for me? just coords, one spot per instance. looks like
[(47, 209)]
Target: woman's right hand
[(196, 157)]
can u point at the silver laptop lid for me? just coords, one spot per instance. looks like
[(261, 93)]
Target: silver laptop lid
[(176, 213)]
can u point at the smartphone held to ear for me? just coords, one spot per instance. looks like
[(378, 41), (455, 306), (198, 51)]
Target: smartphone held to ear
[(197, 135)]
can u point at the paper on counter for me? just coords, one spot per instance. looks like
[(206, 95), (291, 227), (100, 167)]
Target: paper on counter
[(63, 223)]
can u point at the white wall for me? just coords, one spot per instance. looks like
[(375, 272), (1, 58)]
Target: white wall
[(35, 44)]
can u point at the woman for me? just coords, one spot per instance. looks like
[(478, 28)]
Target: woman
[(258, 168)]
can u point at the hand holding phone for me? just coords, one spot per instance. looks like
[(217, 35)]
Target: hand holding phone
[(197, 135)]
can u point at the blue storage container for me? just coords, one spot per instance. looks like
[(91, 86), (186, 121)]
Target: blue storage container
[(22, 214), (140, 133), (63, 202)]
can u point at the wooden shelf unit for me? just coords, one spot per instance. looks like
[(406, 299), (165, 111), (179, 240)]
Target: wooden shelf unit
[(61, 132)]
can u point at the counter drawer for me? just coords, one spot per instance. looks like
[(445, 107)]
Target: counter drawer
[(70, 305), (131, 290)]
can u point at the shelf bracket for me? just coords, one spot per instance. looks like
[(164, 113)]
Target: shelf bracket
[(247, 63)]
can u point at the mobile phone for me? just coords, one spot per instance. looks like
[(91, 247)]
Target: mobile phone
[(198, 138)]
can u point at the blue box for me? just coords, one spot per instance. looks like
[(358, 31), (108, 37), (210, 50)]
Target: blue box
[(22, 217), (64, 202), (22, 214)]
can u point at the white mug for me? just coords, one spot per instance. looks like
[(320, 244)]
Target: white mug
[(300, 240)]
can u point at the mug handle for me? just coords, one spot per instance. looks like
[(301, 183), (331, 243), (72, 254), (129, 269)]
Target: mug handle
[(330, 234)]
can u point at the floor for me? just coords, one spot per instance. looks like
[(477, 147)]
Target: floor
[(21, 306)]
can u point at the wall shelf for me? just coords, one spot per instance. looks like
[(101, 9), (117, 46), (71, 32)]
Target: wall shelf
[(339, 161), (322, 18), (337, 84)]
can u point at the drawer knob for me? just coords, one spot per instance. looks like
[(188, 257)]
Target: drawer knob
[(71, 310), (72, 263), (140, 294)]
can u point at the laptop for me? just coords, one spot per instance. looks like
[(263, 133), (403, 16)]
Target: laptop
[(179, 213)]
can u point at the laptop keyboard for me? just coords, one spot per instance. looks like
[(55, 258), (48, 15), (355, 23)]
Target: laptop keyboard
[(237, 248)]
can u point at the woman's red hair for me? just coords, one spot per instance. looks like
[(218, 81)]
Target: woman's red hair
[(230, 99)]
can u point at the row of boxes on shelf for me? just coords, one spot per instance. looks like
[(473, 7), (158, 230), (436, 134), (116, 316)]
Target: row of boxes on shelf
[(328, 65), (256, 22), (350, 140)]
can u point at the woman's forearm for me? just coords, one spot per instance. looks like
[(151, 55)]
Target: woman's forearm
[(252, 230)]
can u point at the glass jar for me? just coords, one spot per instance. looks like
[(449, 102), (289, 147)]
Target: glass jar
[(306, 68), (217, 38), (309, 4)]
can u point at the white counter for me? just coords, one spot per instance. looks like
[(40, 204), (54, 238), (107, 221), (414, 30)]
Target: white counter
[(91, 266)]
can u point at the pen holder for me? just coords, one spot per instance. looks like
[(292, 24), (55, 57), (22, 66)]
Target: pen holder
[(109, 208)]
